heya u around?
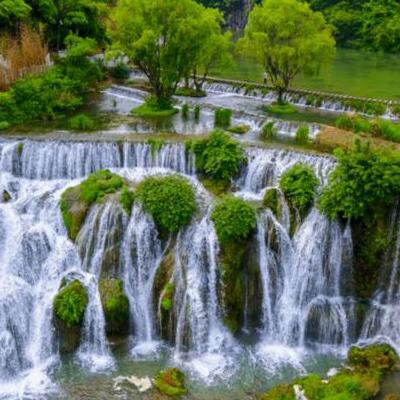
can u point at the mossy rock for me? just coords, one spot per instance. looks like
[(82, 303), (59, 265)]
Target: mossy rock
[(281, 392), (76, 201), (168, 297), (69, 337), (70, 303), (380, 357), (216, 187), (115, 305), (171, 382), (6, 196), (271, 201), (239, 129)]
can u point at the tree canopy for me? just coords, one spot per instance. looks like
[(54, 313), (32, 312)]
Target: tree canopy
[(163, 38), (287, 38)]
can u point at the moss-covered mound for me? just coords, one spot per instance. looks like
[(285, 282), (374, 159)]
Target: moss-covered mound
[(171, 382), (219, 156), (234, 221), (299, 184), (167, 300), (115, 305), (360, 379), (169, 199), (70, 303), (76, 201), (271, 201)]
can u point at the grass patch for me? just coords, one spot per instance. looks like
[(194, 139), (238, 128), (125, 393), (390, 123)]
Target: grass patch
[(281, 109), (81, 122), (223, 117), (190, 92), (239, 129)]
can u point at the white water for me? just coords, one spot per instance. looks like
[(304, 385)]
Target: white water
[(306, 304)]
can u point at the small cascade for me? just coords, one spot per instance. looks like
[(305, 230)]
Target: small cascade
[(93, 242), (302, 301), (46, 160), (383, 319), (141, 255), (199, 327), (265, 166)]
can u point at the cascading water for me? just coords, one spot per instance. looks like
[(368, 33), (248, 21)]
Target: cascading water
[(141, 255), (383, 320)]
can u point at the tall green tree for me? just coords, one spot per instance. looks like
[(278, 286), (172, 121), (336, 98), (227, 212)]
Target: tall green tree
[(162, 37), (83, 18), (287, 38), (12, 11)]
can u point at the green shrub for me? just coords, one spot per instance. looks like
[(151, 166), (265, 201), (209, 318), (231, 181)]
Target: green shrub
[(388, 129), (271, 200), (299, 185), (152, 108), (115, 305), (310, 100), (234, 219), (171, 382), (353, 123), (81, 122), (365, 180), (185, 111), (156, 145), (4, 125), (396, 110), (281, 109), (223, 117), (169, 199), (196, 112), (70, 303), (239, 129), (303, 134), (220, 156), (269, 131), (120, 71), (127, 199), (373, 108)]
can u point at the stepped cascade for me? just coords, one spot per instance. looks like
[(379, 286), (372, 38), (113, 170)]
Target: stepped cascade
[(297, 270)]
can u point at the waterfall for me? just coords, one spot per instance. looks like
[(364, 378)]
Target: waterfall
[(383, 319), (196, 302), (46, 160), (141, 257)]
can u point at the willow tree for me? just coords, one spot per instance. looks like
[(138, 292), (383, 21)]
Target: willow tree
[(162, 37), (287, 38)]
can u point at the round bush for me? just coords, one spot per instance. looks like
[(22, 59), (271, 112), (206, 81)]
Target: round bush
[(234, 219), (169, 199), (299, 184), (70, 303)]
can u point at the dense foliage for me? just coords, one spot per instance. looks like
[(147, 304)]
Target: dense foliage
[(286, 37), (234, 219), (219, 156), (58, 91), (299, 184), (165, 39), (364, 180), (70, 303), (169, 199)]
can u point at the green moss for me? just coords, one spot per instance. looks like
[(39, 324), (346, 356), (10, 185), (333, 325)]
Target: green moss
[(169, 199), (303, 135), (185, 111), (171, 382), (166, 302), (196, 112), (215, 187), (152, 110), (239, 129), (234, 219), (127, 199), (20, 148), (271, 201), (4, 125), (6, 196), (70, 303), (156, 145), (281, 392), (115, 305), (281, 109), (299, 185), (75, 202), (81, 122)]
